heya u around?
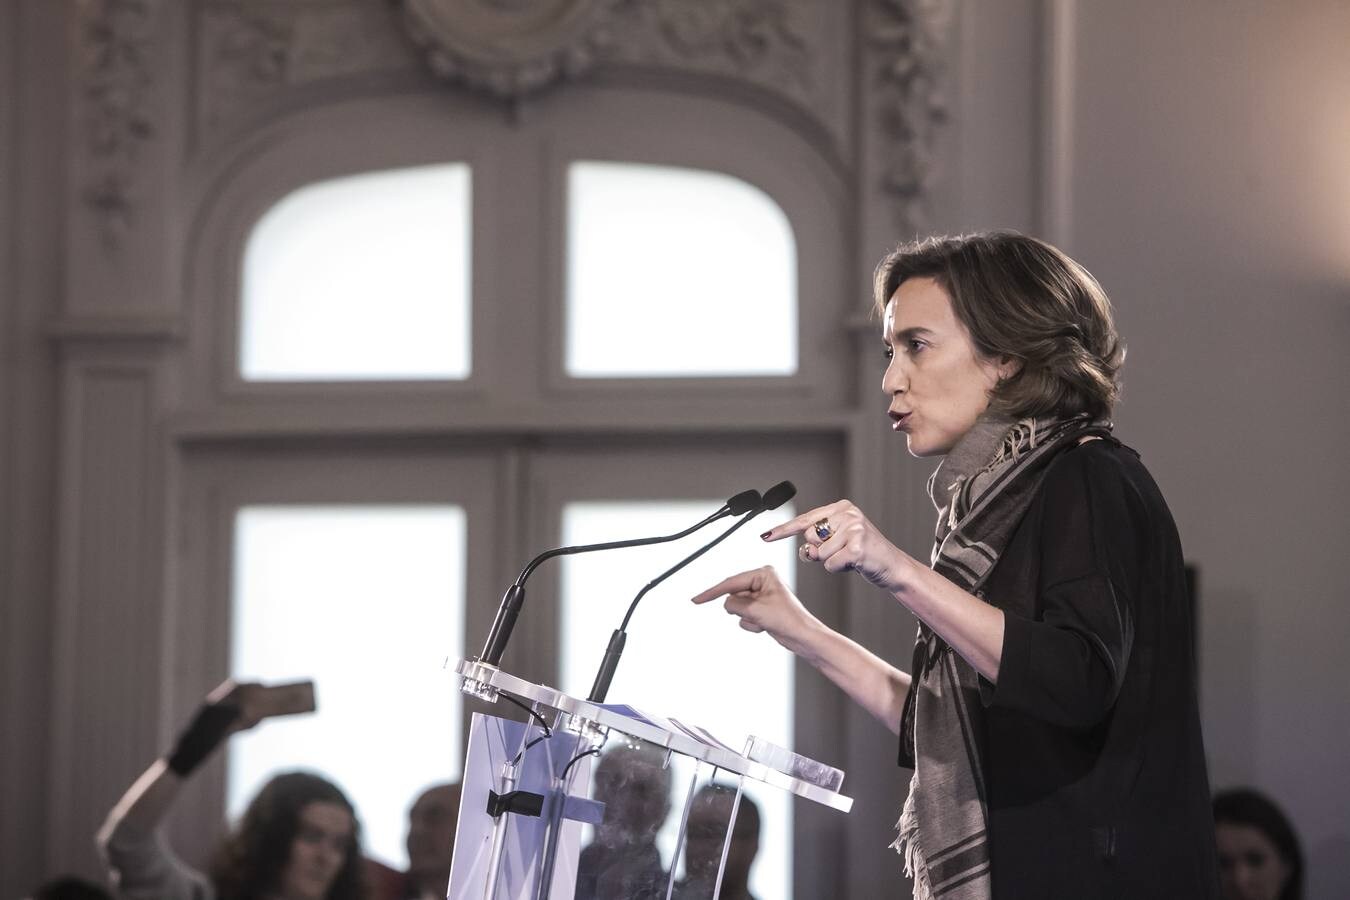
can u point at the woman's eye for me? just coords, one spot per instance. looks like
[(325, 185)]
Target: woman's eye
[(915, 345), (888, 351)]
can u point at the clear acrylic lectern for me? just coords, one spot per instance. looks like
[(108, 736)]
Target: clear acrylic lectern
[(532, 791)]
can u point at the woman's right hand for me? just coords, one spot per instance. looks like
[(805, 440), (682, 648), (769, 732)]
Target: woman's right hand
[(763, 603)]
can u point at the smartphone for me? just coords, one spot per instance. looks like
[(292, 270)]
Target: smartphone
[(266, 700)]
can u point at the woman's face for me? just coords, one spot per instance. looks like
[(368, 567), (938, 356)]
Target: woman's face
[(318, 851), (937, 382), (1250, 866)]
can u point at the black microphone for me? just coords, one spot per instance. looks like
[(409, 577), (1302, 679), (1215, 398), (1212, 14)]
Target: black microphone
[(514, 597), (774, 497)]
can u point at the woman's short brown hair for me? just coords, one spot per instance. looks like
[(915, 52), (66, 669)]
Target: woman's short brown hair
[(1023, 299)]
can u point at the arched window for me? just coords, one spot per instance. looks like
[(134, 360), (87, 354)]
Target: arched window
[(364, 277), (676, 272)]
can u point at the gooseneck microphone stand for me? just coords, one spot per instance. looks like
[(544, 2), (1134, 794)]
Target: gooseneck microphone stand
[(774, 497), (514, 598)]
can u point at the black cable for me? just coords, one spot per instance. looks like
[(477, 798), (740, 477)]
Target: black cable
[(528, 744), (548, 732), (594, 751)]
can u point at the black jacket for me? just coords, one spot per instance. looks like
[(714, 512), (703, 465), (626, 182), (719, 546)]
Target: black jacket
[(1094, 765)]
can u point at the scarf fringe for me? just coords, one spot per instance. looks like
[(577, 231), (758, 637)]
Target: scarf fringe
[(1023, 437), (907, 845)]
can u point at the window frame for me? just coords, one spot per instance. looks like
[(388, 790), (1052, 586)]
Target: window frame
[(217, 480), (805, 189), (306, 149), (237, 379)]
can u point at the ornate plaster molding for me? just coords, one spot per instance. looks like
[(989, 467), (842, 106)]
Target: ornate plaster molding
[(909, 39), (251, 51), (763, 42), (750, 35), (116, 41), (252, 54), (510, 47)]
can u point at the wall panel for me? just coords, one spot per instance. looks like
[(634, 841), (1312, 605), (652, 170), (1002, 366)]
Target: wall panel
[(32, 82), (106, 658), (1210, 195)]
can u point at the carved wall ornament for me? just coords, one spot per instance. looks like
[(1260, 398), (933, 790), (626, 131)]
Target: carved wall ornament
[(250, 52), (115, 43), (910, 40), (748, 33), (255, 55), (510, 47), (797, 50), (255, 47)]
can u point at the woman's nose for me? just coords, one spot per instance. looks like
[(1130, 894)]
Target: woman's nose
[(893, 380)]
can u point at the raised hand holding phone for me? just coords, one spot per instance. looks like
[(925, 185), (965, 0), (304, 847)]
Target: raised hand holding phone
[(264, 701), (235, 707)]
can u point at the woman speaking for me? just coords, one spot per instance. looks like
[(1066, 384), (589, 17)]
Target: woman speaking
[(1050, 712)]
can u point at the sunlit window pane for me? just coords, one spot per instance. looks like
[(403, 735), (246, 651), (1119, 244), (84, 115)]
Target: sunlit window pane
[(368, 602), (677, 272), (681, 661), (363, 277)]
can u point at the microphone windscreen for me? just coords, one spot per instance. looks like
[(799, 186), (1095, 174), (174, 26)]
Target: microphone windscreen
[(743, 502), (779, 494)]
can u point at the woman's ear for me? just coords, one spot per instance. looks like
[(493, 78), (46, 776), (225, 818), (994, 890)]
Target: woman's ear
[(1008, 366)]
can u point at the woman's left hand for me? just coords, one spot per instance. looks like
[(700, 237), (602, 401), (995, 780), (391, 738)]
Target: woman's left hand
[(851, 542)]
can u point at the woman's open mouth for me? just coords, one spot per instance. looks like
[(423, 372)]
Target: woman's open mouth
[(898, 420)]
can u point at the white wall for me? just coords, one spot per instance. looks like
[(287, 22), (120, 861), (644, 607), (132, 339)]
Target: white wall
[(1211, 195), (1196, 157)]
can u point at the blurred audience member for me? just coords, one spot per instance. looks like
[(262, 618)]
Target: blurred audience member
[(385, 882), (705, 836), (622, 863), (70, 889), (1259, 854), (299, 838), (431, 842)]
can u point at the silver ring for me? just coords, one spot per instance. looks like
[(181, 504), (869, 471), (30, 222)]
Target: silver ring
[(822, 528)]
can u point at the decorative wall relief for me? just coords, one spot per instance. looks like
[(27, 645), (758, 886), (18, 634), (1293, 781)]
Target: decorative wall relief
[(253, 54), (763, 41), (510, 47), (250, 52), (116, 120), (909, 45), (258, 55)]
